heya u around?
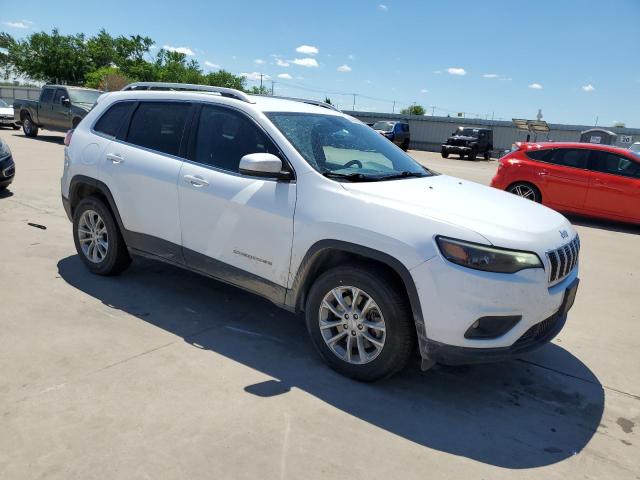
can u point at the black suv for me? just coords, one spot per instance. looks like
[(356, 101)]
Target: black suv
[(469, 141), (397, 132)]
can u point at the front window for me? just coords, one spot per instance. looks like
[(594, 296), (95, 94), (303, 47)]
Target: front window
[(466, 132), (3, 104), (84, 96), (383, 126), (343, 148)]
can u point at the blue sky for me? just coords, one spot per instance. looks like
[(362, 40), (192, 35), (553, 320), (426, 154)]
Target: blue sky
[(573, 59)]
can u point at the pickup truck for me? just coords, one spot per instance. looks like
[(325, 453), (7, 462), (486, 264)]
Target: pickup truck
[(59, 108)]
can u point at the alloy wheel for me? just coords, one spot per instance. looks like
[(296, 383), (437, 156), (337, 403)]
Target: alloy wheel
[(93, 236), (352, 325), (524, 191)]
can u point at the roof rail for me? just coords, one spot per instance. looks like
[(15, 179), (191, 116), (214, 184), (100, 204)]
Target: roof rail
[(188, 87), (303, 100)]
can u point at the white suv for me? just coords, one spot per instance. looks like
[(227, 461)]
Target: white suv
[(312, 209)]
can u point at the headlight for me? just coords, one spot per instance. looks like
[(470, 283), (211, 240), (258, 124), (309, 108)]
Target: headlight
[(4, 149), (489, 259)]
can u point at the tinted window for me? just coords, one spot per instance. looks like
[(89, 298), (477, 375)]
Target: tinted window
[(58, 96), (111, 121), (540, 155), (616, 165), (225, 136), (571, 157), (47, 95), (159, 126), (405, 127)]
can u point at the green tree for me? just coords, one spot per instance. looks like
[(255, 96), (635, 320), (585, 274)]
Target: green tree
[(222, 78), (259, 90), (108, 79), (413, 110), (327, 100)]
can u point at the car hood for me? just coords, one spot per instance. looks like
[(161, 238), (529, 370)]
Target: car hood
[(6, 110), (504, 219), (463, 137)]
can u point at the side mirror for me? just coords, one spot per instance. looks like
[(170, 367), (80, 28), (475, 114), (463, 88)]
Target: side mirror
[(263, 165), (65, 101)]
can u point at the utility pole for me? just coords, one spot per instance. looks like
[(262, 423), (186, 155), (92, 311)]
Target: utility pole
[(261, 82), (433, 110), (596, 121), (393, 109), (272, 87), (353, 109)]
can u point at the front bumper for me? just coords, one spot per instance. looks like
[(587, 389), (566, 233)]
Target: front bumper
[(453, 298), (7, 171), (455, 149)]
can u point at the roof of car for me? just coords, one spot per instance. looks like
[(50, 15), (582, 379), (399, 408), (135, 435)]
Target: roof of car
[(593, 146)]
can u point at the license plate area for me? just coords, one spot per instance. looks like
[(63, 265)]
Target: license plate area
[(569, 297)]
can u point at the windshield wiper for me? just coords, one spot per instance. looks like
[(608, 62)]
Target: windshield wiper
[(352, 177), (405, 174)]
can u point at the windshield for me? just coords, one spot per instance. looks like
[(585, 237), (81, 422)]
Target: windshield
[(3, 103), (341, 147), (635, 148), (466, 132), (384, 126), (84, 96)]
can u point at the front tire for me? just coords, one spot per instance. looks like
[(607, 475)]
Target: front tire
[(473, 154), (405, 145), (97, 238), (526, 190), (29, 128), (444, 153), (366, 339)]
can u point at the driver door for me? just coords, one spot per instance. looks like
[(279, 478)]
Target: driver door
[(235, 227)]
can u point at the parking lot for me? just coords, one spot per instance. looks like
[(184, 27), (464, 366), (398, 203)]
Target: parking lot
[(163, 373)]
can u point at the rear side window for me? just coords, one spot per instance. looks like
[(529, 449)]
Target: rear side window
[(616, 165), (225, 136), (405, 127), (540, 155), (159, 126), (47, 95), (571, 157), (114, 118)]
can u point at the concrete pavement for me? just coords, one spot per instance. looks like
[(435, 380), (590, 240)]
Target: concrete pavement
[(160, 373)]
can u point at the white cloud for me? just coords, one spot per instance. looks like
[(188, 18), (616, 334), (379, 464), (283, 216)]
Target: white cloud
[(286, 76), (307, 49), (24, 24), (306, 62), (351, 56), (255, 76), (490, 75), (209, 64), (424, 90), (536, 86), (588, 88), (456, 71), (344, 68), (383, 8), (186, 50), (281, 63), (259, 61)]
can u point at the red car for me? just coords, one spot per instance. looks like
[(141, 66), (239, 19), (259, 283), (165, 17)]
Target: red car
[(582, 178)]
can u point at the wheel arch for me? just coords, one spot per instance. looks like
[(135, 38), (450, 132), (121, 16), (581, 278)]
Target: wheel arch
[(82, 186), (326, 254), (527, 182)]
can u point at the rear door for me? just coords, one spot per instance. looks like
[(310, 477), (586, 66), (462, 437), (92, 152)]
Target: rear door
[(615, 186), (565, 178), (142, 170)]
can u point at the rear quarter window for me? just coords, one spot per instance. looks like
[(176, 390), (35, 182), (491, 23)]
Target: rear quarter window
[(113, 119), (539, 155)]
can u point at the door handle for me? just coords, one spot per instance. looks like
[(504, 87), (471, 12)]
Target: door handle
[(542, 173), (115, 158), (196, 181)]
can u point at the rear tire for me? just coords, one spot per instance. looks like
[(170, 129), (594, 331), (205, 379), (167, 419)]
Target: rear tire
[(405, 145), (462, 156), (526, 190), (473, 154), (487, 155), (29, 128), (97, 238), (444, 153), (381, 313)]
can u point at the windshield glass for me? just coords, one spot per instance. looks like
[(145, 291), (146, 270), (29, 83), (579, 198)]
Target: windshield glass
[(384, 126), (3, 103), (635, 148), (467, 132), (339, 146), (84, 96)]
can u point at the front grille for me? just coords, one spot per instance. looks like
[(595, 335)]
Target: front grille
[(458, 143), (563, 260)]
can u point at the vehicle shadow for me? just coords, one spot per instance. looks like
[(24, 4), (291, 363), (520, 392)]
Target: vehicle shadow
[(610, 225), (5, 193), (514, 414), (45, 138)]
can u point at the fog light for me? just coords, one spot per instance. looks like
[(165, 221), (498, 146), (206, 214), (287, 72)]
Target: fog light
[(491, 327)]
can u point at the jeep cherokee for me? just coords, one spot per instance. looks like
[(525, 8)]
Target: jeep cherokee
[(317, 212)]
